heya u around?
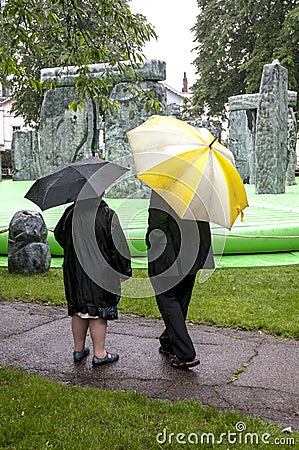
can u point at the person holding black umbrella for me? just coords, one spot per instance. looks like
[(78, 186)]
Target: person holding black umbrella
[(96, 260), (96, 255)]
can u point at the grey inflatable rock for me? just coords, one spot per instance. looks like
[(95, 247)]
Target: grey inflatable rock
[(28, 248), (25, 155)]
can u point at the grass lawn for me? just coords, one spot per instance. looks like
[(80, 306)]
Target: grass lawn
[(40, 414), (265, 299)]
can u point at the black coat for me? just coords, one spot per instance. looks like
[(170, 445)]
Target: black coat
[(92, 279), (176, 247)]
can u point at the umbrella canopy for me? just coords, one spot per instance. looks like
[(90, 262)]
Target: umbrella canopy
[(75, 181), (189, 168)]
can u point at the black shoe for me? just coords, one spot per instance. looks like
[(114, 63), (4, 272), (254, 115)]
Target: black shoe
[(78, 356), (108, 358), (166, 352), (180, 364)]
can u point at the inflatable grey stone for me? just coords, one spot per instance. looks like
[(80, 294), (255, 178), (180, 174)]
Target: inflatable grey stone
[(25, 155), (28, 248)]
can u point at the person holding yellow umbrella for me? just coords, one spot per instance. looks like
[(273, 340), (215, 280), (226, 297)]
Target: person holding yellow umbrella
[(194, 182), (177, 249)]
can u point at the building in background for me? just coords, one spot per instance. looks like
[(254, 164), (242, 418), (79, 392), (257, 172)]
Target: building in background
[(176, 99), (8, 121), (8, 124)]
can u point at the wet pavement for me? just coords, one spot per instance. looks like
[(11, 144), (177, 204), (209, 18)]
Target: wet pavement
[(250, 372)]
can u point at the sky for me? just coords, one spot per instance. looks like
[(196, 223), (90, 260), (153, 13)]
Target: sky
[(172, 20)]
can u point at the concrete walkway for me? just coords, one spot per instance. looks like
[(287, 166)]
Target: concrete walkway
[(251, 372)]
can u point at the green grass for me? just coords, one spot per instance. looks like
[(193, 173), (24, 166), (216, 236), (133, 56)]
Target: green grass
[(43, 288), (36, 413), (40, 414), (265, 299)]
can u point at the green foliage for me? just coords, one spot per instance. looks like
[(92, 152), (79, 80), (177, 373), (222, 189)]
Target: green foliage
[(60, 33), (268, 25), (235, 38), (287, 49), (40, 414)]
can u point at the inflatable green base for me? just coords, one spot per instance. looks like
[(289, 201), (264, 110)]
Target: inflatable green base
[(270, 225)]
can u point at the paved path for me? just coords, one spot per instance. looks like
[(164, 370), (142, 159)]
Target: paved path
[(251, 372)]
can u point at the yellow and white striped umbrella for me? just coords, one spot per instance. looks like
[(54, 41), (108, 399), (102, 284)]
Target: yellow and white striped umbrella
[(190, 169)]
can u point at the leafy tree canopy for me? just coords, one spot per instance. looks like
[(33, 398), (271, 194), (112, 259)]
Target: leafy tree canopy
[(235, 38), (61, 33)]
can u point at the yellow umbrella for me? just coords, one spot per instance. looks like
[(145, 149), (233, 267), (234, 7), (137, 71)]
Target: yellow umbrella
[(190, 169)]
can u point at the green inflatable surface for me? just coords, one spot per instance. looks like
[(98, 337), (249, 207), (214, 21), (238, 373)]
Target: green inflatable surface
[(269, 234)]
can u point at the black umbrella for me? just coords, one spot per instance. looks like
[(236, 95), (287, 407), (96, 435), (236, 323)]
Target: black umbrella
[(75, 181)]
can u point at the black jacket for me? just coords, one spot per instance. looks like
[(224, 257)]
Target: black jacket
[(96, 258), (176, 247)]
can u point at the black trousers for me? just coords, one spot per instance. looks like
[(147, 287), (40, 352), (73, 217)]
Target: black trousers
[(173, 305)]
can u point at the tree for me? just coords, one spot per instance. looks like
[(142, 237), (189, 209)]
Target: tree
[(235, 38), (287, 49), (61, 33)]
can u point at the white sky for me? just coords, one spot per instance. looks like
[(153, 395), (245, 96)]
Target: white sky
[(172, 20)]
